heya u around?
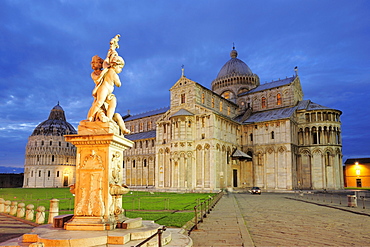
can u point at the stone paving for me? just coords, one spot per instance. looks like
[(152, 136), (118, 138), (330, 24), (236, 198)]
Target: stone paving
[(224, 226), (12, 227), (271, 219)]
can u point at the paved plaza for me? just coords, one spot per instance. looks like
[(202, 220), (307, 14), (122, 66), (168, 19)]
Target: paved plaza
[(271, 219)]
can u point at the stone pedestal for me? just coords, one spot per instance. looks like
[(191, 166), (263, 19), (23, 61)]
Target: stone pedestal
[(99, 176)]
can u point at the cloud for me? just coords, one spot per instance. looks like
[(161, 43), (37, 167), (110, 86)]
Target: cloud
[(46, 48)]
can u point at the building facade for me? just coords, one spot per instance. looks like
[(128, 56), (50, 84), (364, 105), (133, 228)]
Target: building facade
[(357, 173), (238, 135), (50, 161)]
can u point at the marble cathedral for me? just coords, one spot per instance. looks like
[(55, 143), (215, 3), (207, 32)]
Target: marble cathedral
[(238, 135)]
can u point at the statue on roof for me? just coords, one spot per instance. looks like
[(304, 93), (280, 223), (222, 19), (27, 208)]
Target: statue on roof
[(105, 77)]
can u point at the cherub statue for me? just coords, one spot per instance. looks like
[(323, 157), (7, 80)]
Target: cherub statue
[(105, 102)]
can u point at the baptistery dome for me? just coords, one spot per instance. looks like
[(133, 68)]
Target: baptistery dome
[(50, 161), (56, 124)]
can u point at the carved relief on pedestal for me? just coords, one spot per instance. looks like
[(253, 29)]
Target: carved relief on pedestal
[(91, 199)]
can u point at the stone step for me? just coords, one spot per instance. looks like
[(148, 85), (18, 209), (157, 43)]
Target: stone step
[(116, 238)]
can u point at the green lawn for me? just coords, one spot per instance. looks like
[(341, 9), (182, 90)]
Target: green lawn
[(170, 209)]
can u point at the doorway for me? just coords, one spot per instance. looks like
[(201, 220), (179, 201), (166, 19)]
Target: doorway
[(235, 178), (358, 183), (65, 180)]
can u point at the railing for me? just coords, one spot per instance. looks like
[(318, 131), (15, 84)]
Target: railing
[(159, 233), (356, 199), (202, 209)]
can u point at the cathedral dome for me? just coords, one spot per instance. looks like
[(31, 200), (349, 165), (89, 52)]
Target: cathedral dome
[(55, 125), (234, 78), (234, 67)]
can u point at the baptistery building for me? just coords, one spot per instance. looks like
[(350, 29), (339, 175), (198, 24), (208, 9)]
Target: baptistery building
[(50, 161), (237, 135)]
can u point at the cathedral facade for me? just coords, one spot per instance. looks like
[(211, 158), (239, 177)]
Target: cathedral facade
[(50, 161), (237, 135)]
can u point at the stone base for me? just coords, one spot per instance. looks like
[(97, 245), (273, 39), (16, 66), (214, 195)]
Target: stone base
[(87, 223), (97, 128), (47, 235)]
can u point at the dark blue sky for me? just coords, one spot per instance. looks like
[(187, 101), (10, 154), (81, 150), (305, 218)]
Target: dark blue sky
[(46, 48)]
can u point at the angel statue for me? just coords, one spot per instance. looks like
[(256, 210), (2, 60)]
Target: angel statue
[(105, 77)]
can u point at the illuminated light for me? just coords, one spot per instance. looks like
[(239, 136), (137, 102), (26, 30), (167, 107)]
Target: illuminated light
[(356, 163), (358, 172)]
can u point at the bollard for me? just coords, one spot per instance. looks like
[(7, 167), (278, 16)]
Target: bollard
[(2, 201), (13, 208), (40, 215), (195, 218), (54, 210), (7, 207), (21, 210), (30, 212), (352, 200)]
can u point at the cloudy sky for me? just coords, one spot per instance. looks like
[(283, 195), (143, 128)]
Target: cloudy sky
[(46, 48)]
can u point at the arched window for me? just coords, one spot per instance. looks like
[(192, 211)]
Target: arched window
[(203, 98), (51, 143), (213, 102), (52, 158), (39, 173), (42, 143), (141, 127), (57, 174), (36, 143), (251, 137), (220, 105), (144, 162), (31, 173), (263, 102), (272, 135), (60, 144), (228, 95), (48, 173), (182, 98), (278, 99), (133, 164)]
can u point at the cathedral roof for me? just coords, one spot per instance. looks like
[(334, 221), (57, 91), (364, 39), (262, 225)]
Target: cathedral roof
[(234, 67), (310, 106), (55, 125), (148, 113), (141, 135), (270, 85), (282, 113), (182, 112)]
